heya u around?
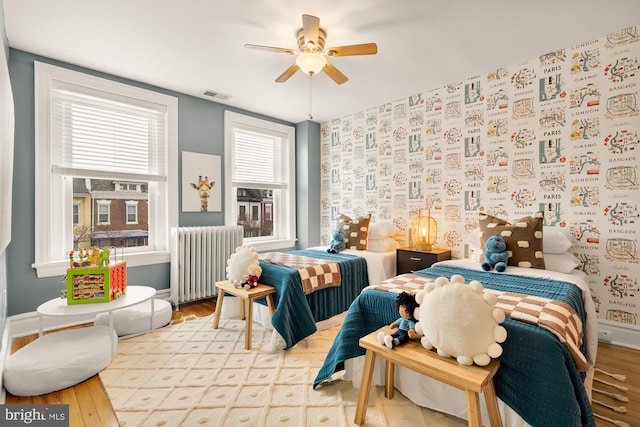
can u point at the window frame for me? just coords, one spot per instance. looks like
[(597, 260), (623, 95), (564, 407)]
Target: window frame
[(285, 220), (54, 193), (101, 204), (75, 213), (131, 204)]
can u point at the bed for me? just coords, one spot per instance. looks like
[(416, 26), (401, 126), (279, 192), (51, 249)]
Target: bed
[(297, 315), (538, 382), (366, 257)]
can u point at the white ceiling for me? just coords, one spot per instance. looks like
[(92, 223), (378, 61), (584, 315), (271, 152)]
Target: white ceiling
[(195, 45)]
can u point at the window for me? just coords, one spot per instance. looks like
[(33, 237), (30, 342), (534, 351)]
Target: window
[(76, 212), (127, 186), (260, 180), (104, 212), (95, 137), (132, 211)]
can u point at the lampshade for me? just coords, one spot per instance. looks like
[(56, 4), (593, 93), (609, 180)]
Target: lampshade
[(424, 230), (311, 63)]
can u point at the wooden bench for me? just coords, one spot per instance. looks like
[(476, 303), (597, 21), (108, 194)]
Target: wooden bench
[(472, 379), (245, 297)]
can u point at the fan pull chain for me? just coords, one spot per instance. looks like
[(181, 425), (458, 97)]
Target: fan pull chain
[(310, 99)]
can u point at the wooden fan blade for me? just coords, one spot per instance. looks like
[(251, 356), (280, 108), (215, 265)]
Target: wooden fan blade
[(271, 49), (311, 27), (354, 49), (288, 73), (334, 73)]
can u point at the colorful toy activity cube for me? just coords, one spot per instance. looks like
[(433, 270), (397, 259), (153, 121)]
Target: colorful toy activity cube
[(87, 285)]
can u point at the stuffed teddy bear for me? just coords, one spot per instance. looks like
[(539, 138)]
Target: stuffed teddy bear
[(460, 320), (337, 244), (495, 254)]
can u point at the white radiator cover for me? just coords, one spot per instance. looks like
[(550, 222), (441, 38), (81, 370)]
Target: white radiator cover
[(199, 259)]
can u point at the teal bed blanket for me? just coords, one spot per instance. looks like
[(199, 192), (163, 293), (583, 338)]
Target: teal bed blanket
[(537, 376), (295, 313)]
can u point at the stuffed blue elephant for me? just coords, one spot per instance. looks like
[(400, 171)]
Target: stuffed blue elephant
[(337, 243), (495, 254)]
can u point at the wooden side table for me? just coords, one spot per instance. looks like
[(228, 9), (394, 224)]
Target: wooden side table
[(245, 297), (410, 259), (472, 379)]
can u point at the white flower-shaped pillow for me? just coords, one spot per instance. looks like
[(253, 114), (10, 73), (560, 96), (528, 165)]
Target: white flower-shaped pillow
[(460, 321), (242, 263)]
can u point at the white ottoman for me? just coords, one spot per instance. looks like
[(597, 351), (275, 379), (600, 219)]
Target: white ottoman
[(135, 319), (59, 360)]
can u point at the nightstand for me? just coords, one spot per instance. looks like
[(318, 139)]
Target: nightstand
[(410, 259)]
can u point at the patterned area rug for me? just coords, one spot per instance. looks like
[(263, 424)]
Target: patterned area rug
[(188, 374)]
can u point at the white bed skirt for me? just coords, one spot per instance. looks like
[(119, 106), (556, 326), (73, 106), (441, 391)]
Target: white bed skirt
[(262, 316)]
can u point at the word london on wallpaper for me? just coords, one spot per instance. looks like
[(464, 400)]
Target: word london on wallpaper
[(558, 134)]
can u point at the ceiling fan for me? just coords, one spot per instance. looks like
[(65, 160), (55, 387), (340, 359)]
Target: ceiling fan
[(311, 54)]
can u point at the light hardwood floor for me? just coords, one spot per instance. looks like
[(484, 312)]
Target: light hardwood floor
[(89, 404)]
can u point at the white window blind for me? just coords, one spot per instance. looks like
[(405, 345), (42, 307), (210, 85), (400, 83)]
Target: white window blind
[(260, 155), (95, 135), (260, 159), (91, 127)]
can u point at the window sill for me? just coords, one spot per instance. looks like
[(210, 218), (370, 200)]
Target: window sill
[(270, 245), (59, 268)]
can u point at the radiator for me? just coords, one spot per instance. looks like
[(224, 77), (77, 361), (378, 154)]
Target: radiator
[(199, 259)]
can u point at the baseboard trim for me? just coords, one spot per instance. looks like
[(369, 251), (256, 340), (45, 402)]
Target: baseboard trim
[(620, 333)]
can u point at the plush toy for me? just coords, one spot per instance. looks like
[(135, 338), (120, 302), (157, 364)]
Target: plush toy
[(251, 281), (242, 264), (337, 243), (406, 323), (460, 321), (495, 254)]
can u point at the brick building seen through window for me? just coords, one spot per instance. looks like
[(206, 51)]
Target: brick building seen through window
[(109, 213)]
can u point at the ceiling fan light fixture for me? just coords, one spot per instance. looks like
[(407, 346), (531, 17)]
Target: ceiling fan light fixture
[(311, 55), (311, 62)]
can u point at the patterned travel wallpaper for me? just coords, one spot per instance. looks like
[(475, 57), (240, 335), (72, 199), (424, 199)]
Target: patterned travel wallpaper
[(558, 133)]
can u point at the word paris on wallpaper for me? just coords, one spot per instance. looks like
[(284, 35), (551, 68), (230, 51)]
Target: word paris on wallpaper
[(558, 133)]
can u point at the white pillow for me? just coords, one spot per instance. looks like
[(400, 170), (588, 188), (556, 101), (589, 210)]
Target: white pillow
[(382, 245), (381, 230), (474, 239), (562, 263), (556, 240), (59, 360), (460, 320), (476, 255), (137, 319)]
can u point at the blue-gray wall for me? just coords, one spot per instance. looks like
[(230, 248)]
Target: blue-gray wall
[(201, 129), (3, 254), (308, 184)]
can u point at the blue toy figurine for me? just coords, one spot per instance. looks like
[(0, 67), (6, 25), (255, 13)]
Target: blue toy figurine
[(495, 254), (337, 243), (406, 323)]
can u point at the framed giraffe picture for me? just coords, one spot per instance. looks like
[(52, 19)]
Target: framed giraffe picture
[(201, 182)]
